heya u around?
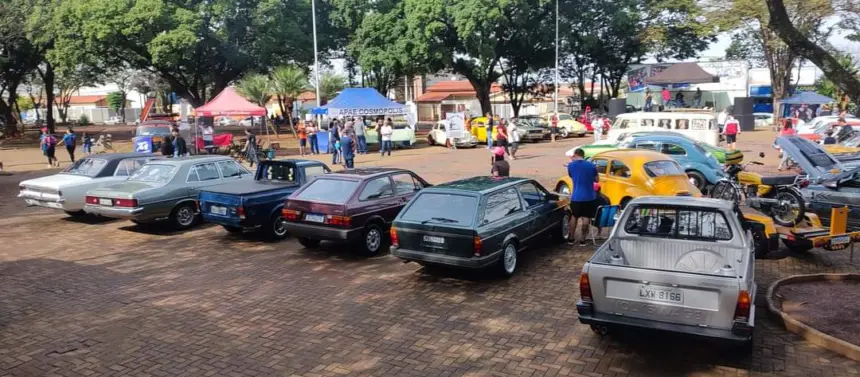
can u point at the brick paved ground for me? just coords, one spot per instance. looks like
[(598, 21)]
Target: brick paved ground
[(109, 299)]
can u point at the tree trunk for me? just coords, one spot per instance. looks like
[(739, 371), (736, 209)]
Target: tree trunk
[(6, 116), (289, 116), (48, 79), (781, 24), (122, 108)]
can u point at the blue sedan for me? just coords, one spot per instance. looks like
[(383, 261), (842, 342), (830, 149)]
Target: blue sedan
[(703, 169)]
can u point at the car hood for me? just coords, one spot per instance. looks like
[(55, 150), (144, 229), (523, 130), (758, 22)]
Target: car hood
[(56, 181), (811, 157), (124, 189), (674, 185)]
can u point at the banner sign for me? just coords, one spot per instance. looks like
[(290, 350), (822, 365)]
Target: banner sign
[(367, 112), (143, 144), (456, 127)]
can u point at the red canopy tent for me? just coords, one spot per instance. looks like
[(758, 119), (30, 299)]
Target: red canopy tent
[(227, 103)]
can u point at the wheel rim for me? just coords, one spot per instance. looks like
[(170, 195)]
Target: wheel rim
[(373, 239), (184, 216), (565, 227), (510, 258), (562, 189), (788, 208), (280, 226)]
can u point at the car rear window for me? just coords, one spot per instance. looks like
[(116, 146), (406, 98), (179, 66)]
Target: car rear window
[(89, 167), (442, 208), (328, 190), (153, 173), (678, 223), (661, 168)]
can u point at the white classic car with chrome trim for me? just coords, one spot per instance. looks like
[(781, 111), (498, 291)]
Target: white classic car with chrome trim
[(674, 264), (67, 189)]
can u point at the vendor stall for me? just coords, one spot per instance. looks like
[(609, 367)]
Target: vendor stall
[(230, 103), (357, 102)]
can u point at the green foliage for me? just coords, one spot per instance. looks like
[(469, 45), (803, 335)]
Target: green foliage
[(289, 81), (330, 84), (25, 104), (83, 120), (827, 87), (255, 88), (747, 46), (116, 100)]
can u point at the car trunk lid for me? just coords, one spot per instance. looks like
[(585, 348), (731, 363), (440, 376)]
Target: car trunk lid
[(436, 238), (439, 222), (674, 185)]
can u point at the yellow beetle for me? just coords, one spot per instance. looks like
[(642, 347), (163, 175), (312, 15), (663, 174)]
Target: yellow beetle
[(625, 174), (479, 129)]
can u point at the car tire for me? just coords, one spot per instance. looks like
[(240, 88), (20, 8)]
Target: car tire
[(508, 261), (601, 330), (697, 179), (373, 240), (76, 214), (309, 243), (562, 230), (232, 229), (276, 228), (183, 217), (564, 133), (760, 241), (562, 189), (430, 140), (448, 143)]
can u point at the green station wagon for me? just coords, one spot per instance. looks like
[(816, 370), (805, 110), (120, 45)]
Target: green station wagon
[(480, 222)]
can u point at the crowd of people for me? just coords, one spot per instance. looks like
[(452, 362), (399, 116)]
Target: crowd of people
[(346, 138)]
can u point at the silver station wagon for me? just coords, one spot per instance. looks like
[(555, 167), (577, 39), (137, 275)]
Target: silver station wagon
[(675, 264), (164, 190)]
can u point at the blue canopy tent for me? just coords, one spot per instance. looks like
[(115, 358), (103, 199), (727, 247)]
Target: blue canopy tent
[(812, 99), (357, 102)]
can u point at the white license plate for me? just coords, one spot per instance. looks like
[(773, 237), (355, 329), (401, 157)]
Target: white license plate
[(106, 202), (315, 218), (218, 210), (434, 239), (840, 240), (661, 294)]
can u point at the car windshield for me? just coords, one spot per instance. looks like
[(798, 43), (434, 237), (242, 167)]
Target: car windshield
[(328, 190), (662, 168), (279, 172), (89, 167), (564, 117), (153, 173), (153, 131), (453, 209)]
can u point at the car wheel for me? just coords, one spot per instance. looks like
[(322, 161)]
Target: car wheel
[(183, 217), (373, 240), (760, 242), (508, 261), (562, 189), (430, 140), (601, 330), (697, 179), (76, 213), (448, 143), (276, 229), (564, 132), (232, 229), (309, 243), (562, 230)]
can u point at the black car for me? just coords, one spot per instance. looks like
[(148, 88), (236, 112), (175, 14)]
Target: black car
[(477, 222)]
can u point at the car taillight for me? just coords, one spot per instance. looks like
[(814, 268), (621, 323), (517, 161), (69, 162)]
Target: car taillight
[(742, 310), (344, 221), (804, 183), (290, 214), (92, 200), (585, 287), (241, 212), (125, 203), (477, 243), (394, 241)]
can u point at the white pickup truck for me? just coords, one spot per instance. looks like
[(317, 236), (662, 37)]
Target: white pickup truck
[(683, 265)]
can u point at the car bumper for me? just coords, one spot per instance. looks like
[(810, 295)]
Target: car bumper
[(115, 212), (445, 260), (741, 334), (231, 222), (533, 137), (43, 202), (318, 232)]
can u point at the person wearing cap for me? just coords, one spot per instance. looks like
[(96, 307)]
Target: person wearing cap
[(499, 167), (583, 197)]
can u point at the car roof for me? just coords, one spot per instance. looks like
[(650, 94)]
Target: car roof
[(684, 201), (366, 173), (480, 184), (299, 161), (120, 156), (664, 136), (193, 159), (638, 155)]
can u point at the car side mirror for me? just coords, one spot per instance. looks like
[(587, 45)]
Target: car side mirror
[(551, 196)]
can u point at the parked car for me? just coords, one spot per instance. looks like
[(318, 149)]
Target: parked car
[(660, 270), (402, 135), (67, 189), (626, 174), (478, 222), (701, 167), (567, 125), (820, 132), (439, 136), (159, 130), (251, 121), (164, 190), (818, 122), (114, 120), (763, 120), (226, 121), (356, 206), (532, 128), (256, 205), (721, 154)]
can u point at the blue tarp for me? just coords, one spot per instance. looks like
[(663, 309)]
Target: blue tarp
[(807, 98), (360, 102)]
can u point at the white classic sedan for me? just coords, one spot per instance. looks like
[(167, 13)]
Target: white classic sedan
[(67, 189), (438, 135)]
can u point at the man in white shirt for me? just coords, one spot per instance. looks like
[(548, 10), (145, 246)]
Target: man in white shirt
[(597, 126), (514, 137), (385, 136)]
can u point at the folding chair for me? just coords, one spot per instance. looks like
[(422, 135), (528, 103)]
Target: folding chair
[(603, 218)]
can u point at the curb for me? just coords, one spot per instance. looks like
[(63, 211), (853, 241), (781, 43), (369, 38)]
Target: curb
[(814, 336)]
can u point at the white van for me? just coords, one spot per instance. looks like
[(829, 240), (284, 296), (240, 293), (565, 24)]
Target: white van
[(698, 126)]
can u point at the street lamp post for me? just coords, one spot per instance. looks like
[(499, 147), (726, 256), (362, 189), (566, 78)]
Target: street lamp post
[(316, 59), (556, 58)]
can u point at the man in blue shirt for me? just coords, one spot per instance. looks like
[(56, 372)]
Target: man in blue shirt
[(347, 147), (583, 198)]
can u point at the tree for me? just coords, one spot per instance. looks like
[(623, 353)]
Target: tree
[(526, 53), (18, 57), (116, 101), (747, 46), (255, 88), (330, 84), (69, 81), (753, 16), (123, 78), (288, 82), (782, 25)]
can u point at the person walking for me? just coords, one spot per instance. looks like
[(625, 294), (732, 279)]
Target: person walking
[(732, 129), (49, 146), (554, 126), (597, 126), (583, 198), (498, 166), (70, 141), (385, 136), (489, 129), (334, 143), (502, 136), (360, 138), (514, 136), (302, 132), (721, 119), (787, 130), (311, 130), (180, 148), (649, 100), (87, 143), (347, 150), (250, 147)]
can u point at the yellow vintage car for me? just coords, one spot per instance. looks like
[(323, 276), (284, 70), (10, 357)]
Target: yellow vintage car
[(625, 174), (567, 125), (479, 129)]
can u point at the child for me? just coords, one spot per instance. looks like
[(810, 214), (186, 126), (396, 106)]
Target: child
[(87, 143)]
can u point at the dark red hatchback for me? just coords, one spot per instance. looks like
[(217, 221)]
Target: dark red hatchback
[(356, 206)]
